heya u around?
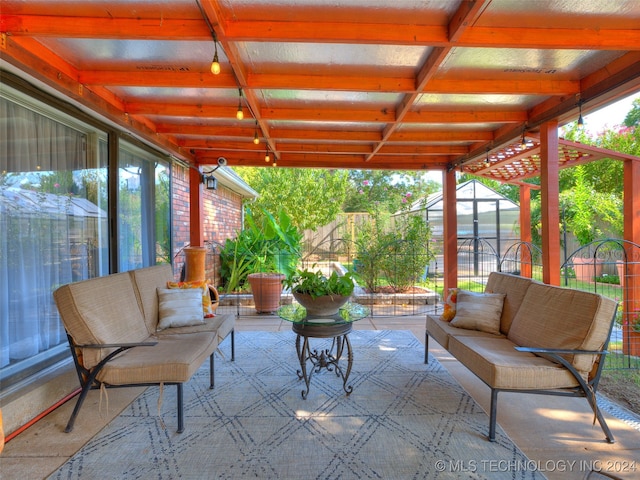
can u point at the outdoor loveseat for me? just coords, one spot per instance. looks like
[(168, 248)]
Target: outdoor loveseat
[(129, 329), (521, 335)]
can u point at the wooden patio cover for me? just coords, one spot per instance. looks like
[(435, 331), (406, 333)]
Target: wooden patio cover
[(356, 84)]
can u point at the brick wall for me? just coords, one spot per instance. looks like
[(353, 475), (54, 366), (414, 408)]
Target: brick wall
[(222, 220)]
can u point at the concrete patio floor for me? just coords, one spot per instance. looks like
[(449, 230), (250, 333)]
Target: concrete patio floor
[(554, 432)]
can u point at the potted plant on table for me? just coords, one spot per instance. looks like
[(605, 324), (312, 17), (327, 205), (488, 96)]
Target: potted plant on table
[(263, 254), (319, 294)]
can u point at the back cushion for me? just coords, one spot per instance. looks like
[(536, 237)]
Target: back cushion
[(147, 281), (101, 310), (515, 288), (555, 317)]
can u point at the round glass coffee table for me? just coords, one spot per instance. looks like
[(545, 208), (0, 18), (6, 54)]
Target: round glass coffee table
[(336, 327)]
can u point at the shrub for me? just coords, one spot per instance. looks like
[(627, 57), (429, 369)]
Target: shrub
[(400, 252)]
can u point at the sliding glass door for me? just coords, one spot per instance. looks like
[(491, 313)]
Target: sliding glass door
[(53, 224)]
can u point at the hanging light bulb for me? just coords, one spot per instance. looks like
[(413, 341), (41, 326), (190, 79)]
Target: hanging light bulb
[(580, 119), (267, 158), (256, 139), (215, 64), (275, 162), (487, 163), (240, 113)]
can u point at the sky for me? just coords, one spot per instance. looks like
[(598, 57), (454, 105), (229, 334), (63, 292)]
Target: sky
[(609, 116), (595, 122)]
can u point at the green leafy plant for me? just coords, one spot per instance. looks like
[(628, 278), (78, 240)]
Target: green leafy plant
[(267, 244), (316, 284), (398, 252)]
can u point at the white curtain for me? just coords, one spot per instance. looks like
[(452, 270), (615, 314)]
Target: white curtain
[(40, 220)]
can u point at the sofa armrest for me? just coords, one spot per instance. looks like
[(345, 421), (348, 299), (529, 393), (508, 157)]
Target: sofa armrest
[(560, 351), (118, 345), (556, 355)]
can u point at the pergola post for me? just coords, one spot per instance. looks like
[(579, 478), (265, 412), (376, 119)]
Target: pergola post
[(631, 209), (525, 230), (550, 191), (196, 209), (450, 230)]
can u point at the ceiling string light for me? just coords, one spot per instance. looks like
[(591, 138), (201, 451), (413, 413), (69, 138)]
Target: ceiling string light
[(240, 113), (267, 158), (215, 64), (580, 119), (523, 143), (256, 138), (487, 163), (215, 69)]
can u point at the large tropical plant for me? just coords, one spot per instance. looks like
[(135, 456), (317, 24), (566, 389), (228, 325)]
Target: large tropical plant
[(269, 243)]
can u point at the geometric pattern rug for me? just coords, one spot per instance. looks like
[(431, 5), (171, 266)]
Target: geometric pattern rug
[(403, 420)]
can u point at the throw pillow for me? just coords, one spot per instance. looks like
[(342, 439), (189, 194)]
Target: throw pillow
[(479, 311), (450, 305), (207, 306), (179, 307)]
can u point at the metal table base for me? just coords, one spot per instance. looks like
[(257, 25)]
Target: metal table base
[(326, 358)]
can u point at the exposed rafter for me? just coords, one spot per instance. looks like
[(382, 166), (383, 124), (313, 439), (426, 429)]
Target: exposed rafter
[(407, 86)]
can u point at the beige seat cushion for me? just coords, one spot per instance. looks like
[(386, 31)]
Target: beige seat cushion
[(82, 308), (440, 331), (220, 324), (174, 359), (515, 288), (146, 281), (496, 361), (554, 317)]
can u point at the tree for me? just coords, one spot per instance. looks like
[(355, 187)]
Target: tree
[(311, 197), (633, 117), (588, 211), (385, 190)]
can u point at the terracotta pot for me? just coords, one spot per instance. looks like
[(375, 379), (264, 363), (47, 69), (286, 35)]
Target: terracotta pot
[(586, 269), (324, 306), (266, 289), (194, 264)]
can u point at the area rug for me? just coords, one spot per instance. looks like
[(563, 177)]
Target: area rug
[(403, 420)]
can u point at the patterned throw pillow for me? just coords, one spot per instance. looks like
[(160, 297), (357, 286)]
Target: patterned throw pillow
[(449, 311), (207, 307)]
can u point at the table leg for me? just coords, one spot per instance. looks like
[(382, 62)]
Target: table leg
[(304, 354), (341, 342), (327, 358)]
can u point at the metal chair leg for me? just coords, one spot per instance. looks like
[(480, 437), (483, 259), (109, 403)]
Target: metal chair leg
[(83, 394), (211, 372), (426, 347), (233, 345), (180, 408), (493, 415)]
